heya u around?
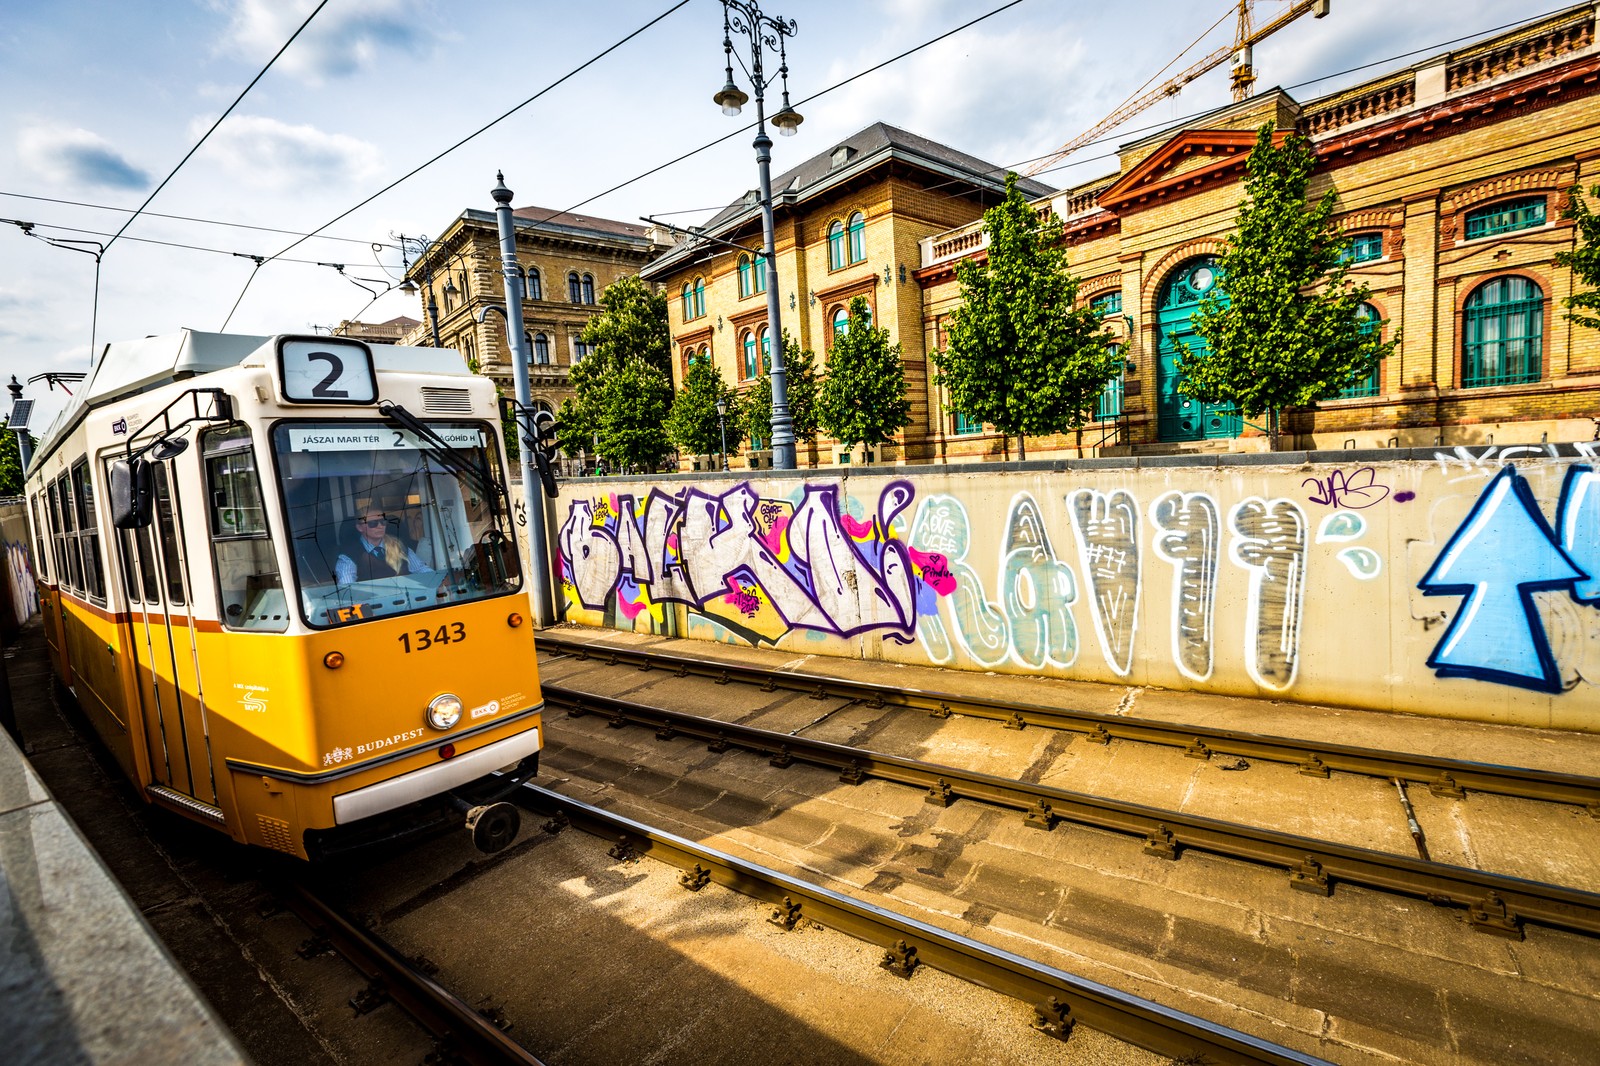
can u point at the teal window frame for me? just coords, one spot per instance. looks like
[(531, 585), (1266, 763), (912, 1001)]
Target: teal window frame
[(1107, 304), (1502, 336), (836, 245), (748, 345), (858, 237), (1371, 384), (963, 426), (744, 276), (699, 297), (1508, 216), (1363, 248), (688, 301)]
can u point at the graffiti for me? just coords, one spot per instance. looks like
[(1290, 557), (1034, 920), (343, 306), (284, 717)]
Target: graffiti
[(1108, 548), (1338, 489), (760, 567), (1188, 533), (1404, 496), (1038, 591), (1578, 520), (943, 531), (1499, 555), (1270, 541)]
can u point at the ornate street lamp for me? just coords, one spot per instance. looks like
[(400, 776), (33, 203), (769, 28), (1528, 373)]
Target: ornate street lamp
[(764, 32), (722, 428)]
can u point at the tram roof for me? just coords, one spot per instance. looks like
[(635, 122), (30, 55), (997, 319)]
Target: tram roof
[(127, 368)]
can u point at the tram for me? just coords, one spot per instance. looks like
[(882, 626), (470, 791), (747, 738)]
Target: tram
[(280, 576)]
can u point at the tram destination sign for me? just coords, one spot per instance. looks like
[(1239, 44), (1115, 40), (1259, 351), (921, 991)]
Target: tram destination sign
[(352, 437)]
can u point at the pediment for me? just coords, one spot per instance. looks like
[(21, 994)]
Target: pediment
[(1189, 159)]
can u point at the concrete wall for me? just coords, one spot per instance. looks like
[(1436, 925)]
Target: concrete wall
[(1459, 583), (21, 595)]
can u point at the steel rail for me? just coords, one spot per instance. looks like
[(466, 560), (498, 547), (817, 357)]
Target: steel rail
[(1060, 999), (1496, 903), (1444, 776), (469, 1035)]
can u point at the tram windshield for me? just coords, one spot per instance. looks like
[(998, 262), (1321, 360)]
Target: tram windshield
[(382, 522)]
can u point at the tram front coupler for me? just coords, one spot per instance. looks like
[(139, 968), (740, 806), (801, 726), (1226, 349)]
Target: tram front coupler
[(493, 826)]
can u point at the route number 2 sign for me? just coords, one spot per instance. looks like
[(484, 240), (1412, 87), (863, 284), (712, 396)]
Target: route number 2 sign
[(326, 370)]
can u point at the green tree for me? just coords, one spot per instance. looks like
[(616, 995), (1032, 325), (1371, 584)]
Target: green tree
[(11, 478), (632, 328), (1286, 333), (800, 374), (692, 425), (1583, 307), (1022, 355), (863, 398)]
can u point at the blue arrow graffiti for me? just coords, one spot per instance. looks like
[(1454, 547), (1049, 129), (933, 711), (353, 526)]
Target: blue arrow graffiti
[(1578, 522), (1498, 557)]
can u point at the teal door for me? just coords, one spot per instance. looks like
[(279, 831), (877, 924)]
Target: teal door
[(1177, 416)]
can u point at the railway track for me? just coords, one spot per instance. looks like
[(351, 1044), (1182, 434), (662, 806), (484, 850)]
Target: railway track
[(1443, 776), (1494, 903), (461, 1033), (1061, 1000)]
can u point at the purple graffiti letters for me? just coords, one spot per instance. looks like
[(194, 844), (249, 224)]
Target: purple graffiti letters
[(1356, 490)]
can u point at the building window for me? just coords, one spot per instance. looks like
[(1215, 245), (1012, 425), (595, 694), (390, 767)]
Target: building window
[(1368, 385), (766, 351), (574, 287), (744, 276), (858, 237), (541, 349), (579, 351), (699, 297), (841, 322), (758, 275), (964, 426), (588, 288), (1506, 217), (748, 345), (1503, 340), (1364, 248), (535, 285), (836, 245), (688, 302), (1108, 304), (1108, 408)]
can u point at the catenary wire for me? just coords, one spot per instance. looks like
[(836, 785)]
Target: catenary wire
[(174, 218), (242, 93)]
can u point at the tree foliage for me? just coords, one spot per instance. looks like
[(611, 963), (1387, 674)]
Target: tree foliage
[(1583, 306), (863, 398), (1286, 333), (1022, 355), (693, 426), (800, 385), (632, 329), (11, 477)]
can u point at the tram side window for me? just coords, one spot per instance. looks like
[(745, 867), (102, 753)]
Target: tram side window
[(171, 547), (69, 535), (88, 531), (247, 566), (57, 538), (41, 561)]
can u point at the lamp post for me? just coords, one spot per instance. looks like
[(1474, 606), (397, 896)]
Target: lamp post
[(764, 32), (425, 260), (722, 428)]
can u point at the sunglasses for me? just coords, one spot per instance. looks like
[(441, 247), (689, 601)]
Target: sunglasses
[(372, 521)]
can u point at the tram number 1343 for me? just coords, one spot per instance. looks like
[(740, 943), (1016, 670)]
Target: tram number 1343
[(423, 639)]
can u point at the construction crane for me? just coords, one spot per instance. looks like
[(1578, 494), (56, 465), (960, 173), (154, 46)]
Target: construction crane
[(1243, 75)]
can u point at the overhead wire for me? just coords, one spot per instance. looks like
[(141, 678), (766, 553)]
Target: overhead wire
[(175, 218), (242, 93)]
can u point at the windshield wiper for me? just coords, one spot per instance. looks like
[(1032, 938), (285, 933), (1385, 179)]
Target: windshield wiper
[(449, 457)]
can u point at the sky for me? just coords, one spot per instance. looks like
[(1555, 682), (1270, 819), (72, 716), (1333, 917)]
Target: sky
[(104, 99)]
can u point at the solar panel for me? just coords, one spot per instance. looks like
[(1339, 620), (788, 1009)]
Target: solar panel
[(21, 411)]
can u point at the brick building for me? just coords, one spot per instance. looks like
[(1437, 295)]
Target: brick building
[(394, 331), (1451, 178), (848, 222), (568, 259)]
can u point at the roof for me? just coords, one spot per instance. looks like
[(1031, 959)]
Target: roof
[(876, 144), (542, 216)]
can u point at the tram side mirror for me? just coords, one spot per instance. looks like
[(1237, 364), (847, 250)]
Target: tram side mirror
[(132, 486)]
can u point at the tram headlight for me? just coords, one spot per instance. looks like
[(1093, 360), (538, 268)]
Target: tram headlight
[(444, 711)]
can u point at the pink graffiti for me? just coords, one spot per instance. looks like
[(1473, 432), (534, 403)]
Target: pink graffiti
[(934, 569), (857, 530), (742, 597)]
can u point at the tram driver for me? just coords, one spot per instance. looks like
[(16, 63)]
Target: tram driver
[(377, 553)]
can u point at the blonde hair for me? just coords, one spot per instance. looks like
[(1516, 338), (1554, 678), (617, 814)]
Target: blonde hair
[(394, 552)]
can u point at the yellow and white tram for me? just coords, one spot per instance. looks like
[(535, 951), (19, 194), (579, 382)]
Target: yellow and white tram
[(280, 576)]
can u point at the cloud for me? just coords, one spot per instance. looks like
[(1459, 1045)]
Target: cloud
[(269, 154), (343, 39), (77, 157)]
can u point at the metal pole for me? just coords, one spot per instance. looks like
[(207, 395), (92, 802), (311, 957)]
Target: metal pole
[(24, 446), (722, 428), (532, 491), (783, 457)]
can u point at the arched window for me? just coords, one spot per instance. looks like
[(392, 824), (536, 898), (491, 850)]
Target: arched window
[(836, 245), (858, 237), (1107, 304), (699, 297), (574, 287), (688, 302), (535, 286), (580, 351), (1503, 337), (748, 344), (1364, 248), (766, 351), (541, 349), (705, 355), (1109, 407), (744, 276), (1366, 385), (841, 322), (588, 288), (758, 275), (1506, 216)]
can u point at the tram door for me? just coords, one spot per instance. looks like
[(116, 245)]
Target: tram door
[(156, 573)]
